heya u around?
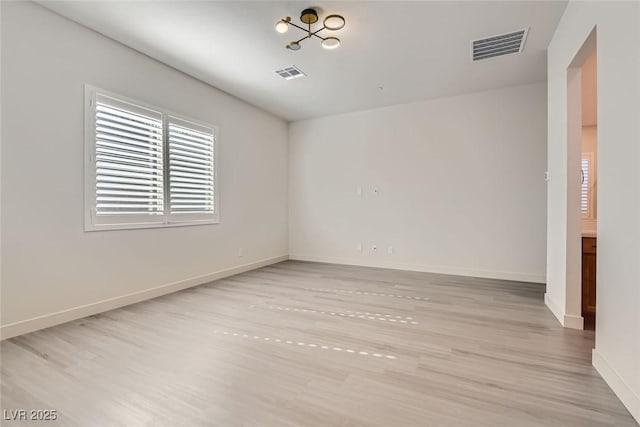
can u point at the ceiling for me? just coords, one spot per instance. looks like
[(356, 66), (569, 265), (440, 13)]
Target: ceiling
[(391, 52)]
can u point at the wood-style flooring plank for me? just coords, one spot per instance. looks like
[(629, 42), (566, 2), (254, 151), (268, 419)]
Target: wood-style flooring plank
[(305, 344)]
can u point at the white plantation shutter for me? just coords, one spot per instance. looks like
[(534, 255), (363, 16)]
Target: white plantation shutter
[(191, 170), (584, 188), (128, 159), (145, 167)]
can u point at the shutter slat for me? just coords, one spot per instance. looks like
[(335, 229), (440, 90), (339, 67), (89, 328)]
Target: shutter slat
[(187, 166), (179, 177), (130, 206), (125, 154), (190, 137), (190, 149), (125, 149), (188, 191), (118, 166), (108, 173), (148, 144), (124, 124), (190, 145), (111, 133), (121, 192), (190, 154), (123, 160), (123, 186), (188, 159), (124, 180), (123, 199), (189, 185)]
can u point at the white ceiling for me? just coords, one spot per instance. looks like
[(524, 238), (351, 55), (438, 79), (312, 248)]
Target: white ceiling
[(413, 50)]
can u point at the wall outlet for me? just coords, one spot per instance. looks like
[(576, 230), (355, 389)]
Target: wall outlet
[(374, 248), (547, 176), (390, 249), (240, 252)]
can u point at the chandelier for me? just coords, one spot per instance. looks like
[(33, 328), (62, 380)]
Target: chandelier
[(308, 17)]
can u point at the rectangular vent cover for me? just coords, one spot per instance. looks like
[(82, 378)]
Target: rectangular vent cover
[(503, 44), (290, 73)]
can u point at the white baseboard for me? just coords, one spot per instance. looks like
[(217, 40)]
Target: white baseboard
[(573, 322), (566, 320), (626, 395), (456, 271), (48, 320), (554, 308)]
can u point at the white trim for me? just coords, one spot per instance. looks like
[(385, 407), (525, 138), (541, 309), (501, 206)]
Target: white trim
[(624, 392), (573, 322), (566, 320), (142, 225), (52, 319), (439, 269), (554, 308)]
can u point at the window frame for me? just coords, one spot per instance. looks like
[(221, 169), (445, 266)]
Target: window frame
[(93, 222)]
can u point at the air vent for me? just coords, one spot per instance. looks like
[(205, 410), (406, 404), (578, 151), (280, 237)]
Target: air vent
[(290, 73), (503, 44)]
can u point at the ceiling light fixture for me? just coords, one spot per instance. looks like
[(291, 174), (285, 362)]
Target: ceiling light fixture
[(308, 17)]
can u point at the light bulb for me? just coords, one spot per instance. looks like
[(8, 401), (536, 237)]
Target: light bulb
[(331, 43), (282, 27)]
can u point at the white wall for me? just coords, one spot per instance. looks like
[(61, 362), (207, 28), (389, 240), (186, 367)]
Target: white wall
[(589, 81), (49, 264), (460, 183), (617, 349)]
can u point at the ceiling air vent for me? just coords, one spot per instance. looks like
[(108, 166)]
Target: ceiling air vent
[(502, 44), (290, 73)]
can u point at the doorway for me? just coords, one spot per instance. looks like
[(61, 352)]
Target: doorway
[(582, 183), (589, 188)]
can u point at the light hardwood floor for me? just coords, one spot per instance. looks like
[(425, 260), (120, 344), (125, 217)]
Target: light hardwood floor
[(303, 344)]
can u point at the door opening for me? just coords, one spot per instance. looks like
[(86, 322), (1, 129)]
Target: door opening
[(582, 183), (589, 188)]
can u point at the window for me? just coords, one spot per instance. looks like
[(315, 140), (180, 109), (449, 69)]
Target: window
[(586, 187), (146, 167)]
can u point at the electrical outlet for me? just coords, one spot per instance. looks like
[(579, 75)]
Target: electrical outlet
[(390, 249), (240, 252), (374, 248)]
